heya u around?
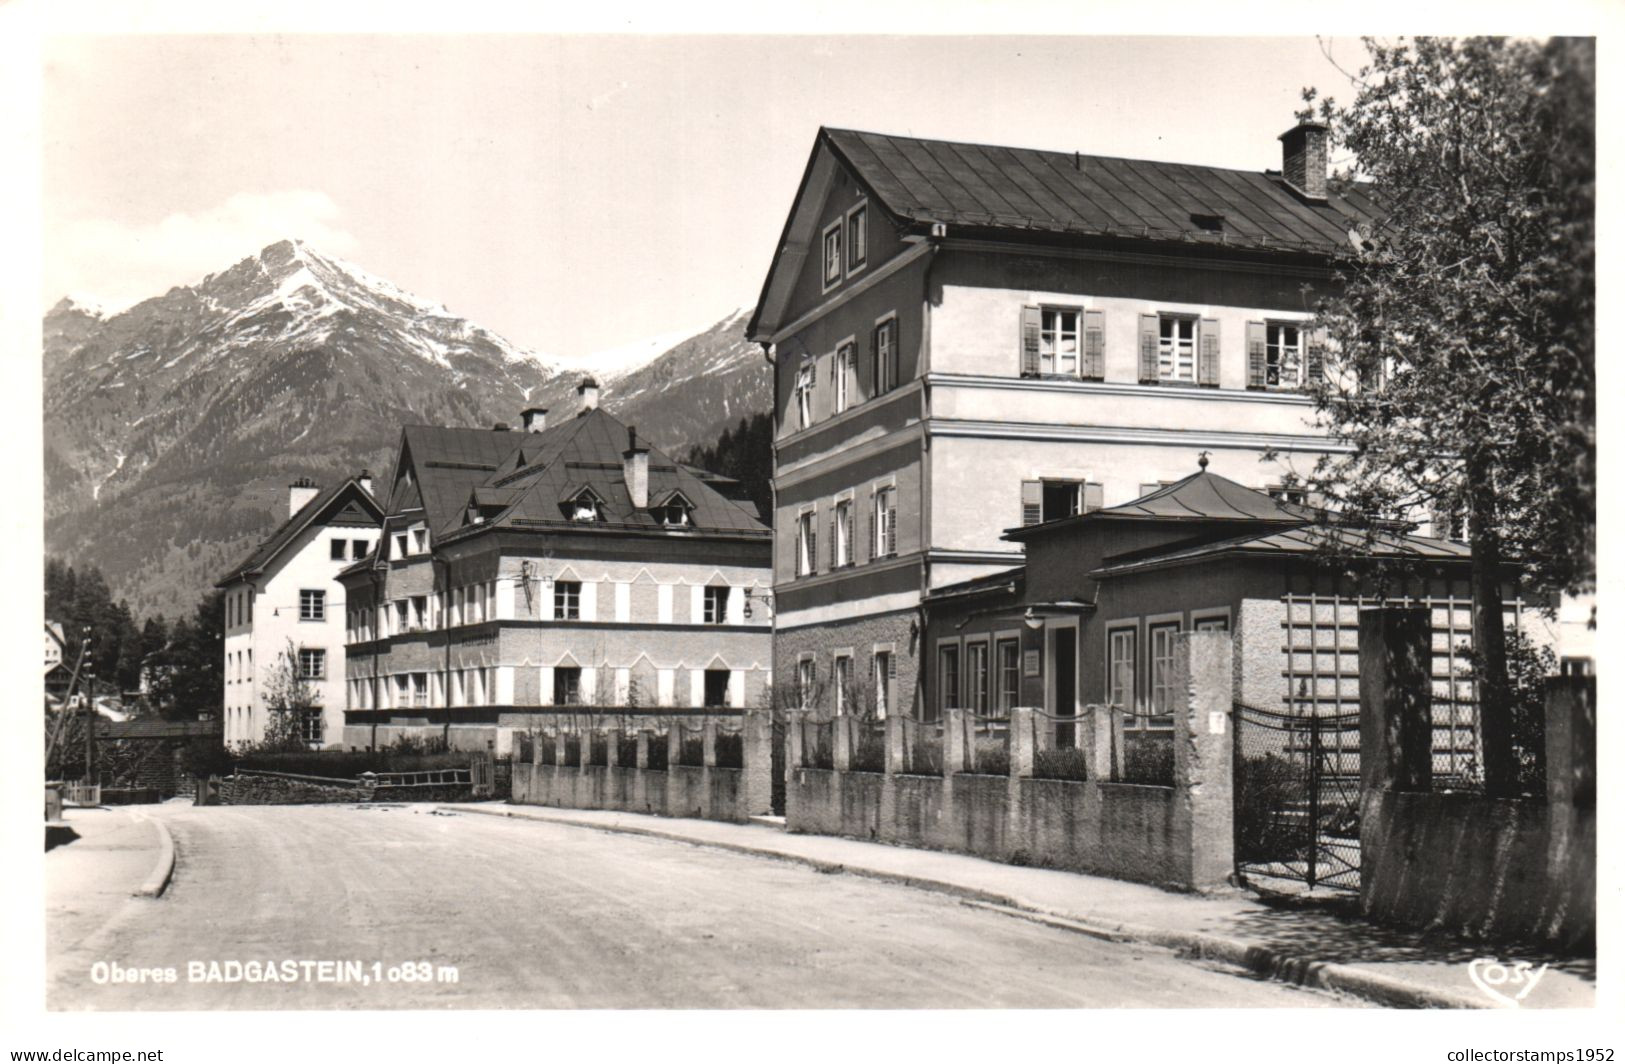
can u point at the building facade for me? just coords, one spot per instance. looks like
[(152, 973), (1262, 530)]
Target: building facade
[(285, 599), (563, 565), (967, 339)]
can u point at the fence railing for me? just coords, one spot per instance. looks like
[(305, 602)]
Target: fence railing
[(633, 737), (84, 795)]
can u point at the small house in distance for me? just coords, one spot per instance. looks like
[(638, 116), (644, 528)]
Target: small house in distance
[(567, 564)]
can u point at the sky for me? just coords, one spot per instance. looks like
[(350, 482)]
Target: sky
[(574, 192)]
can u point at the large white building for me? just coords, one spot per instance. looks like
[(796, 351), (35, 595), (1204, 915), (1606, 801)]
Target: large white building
[(284, 598)]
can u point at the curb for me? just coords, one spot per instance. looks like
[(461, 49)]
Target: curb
[(164, 869), (1261, 960)]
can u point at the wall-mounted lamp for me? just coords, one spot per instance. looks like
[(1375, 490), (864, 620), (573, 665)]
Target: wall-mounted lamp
[(766, 598), (1032, 620)]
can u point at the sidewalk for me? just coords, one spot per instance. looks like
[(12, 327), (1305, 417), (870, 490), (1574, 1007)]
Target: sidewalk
[(87, 880), (1300, 943)]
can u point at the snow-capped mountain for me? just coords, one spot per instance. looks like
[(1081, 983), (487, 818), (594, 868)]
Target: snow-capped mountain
[(172, 428)]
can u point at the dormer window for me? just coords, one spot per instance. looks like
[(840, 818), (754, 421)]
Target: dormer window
[(675, 512), (584, 507)]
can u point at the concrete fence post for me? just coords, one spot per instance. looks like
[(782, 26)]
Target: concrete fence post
[(1021, 742), (894, 745), (841, 726), (640, 756), (953, 742), (674, 742), (1204, 757), (1571, 741), (793, 740), (708, 743), (1396, 699), (559, 740), (1097, 745), (612, 747), (757, 741)]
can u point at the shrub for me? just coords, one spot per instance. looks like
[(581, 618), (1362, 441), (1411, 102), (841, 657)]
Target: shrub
[(598, 750), (658, 754), (1148, 759), (1271, 810), (691, 752), (868, 751), (1065, 763), (730, 750), (206, 757), (549, 746), (992, 756), (818, 746), (572, 751), (626, 751), (925, 755)]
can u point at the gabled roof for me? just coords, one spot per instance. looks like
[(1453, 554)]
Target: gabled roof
[(986, 186), (446, 464), (585, 453), (343, 499), (1301, 542), (985, 190)]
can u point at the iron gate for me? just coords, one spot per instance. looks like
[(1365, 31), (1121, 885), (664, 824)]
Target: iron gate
[(1297, 796)]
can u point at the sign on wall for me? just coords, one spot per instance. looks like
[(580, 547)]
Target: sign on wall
[(1031, 665)]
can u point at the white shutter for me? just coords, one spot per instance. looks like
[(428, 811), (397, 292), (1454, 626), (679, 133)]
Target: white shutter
[(696, 687), (696, 600), (589, 686), (546, 692), (663, 592), (667, 680), (589, 600), (736, 605), (504, 686), (504, 600), (623, 602)]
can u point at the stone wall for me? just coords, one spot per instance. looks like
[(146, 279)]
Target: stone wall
[(1178, 836), (707, 791), (1499, 869), (277, 788)]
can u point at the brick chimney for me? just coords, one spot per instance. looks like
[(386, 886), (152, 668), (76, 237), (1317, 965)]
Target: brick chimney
[(1303, 159), (364, 478), (588, 390), (635, 468), (535, 418), (300, 492)]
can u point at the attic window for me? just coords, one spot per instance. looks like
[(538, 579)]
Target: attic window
[(1212, 223), (675, 512), (584, 507)]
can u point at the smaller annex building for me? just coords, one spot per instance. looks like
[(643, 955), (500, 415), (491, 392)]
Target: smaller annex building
[(568, 564), (285, 594), (1090, 619)]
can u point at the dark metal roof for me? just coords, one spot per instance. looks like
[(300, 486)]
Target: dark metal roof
[(323, 506), (1303, 542), (446, 464), (1209, 497), (586, 452), (1003, 580), (985, 186)]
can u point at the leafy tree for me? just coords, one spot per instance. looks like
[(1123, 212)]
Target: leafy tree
[(745, 453), (189, 671), (289, 698), (1461, 367)]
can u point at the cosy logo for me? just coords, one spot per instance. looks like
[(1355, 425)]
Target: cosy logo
[(1505, 984)]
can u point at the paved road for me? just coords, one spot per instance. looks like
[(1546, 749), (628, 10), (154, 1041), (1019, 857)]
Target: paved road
[(534, 915)]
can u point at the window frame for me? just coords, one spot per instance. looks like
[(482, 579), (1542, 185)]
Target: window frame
[(309, 656), (803, 391), (312, 727), (714, 606), (948, 679), (806, 537), (857, 251), (567, 600), (1173, 355), (978, 675), (885, 521), (335, 549), (880, 666), (806, 679), (887, 365), (727, 683), (1160, 664), (1008, 687), (1053, 355), (1279, 350), (1117, 671), (313, 604), (836, 229), (572, 691), (841, 678), (359, 549), (846, 367), (845, 533)]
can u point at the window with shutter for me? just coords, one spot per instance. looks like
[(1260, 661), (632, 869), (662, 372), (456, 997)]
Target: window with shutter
[(1255, 355), (1208, 370), (886, 356), (1032, 502), (1148, 348), (1031, 328), (1094, 345)]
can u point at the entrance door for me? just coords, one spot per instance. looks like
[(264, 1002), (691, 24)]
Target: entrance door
[(1064, 692)]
